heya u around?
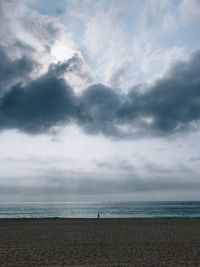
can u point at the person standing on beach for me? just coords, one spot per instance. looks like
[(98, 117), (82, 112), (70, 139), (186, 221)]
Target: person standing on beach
[(98, 215)]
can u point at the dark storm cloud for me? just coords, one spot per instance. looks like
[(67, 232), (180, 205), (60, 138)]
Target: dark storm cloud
[(168, 106), (12, 70), (174, 101), (99, 106), (38, 106)]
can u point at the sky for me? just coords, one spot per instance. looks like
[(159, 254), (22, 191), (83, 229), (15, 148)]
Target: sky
[(99, 100)]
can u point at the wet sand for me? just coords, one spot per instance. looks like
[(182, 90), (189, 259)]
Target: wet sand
[(103, 242)]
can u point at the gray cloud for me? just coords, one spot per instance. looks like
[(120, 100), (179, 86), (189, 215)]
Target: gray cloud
[(12, 71), (168, 106), (116, 164), (77, 183), (33, 29), (194, 159), (38, 106)]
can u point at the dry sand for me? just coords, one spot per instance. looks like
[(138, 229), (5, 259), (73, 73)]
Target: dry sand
[(103, 242)]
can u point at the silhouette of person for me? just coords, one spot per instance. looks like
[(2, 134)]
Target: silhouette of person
[(98, 215)]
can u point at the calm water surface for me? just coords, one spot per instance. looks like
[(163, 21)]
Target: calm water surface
[(106, 210)]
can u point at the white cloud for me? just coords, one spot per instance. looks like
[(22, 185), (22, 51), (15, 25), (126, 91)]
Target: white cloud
[(170, 23), (190, 10), (125, 47), (42, 38), (121, 47), (106, 43)]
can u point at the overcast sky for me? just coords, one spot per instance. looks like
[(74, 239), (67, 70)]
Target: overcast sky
[(99, 100)]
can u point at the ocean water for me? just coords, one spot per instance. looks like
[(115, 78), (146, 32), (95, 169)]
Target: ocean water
[(106, 210)]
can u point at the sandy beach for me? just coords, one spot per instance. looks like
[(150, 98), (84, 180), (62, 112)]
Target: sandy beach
[(103, 242)]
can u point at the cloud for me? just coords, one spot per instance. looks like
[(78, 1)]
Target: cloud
[(169, 23), (190, 10), (12, 71), (38, 105), (117, 165), (42, 39), (168, 106), (99, 106), (121, 42), (194, 159), (55, 182), (104, 37)]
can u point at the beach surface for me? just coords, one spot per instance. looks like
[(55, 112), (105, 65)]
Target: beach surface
[(100, 242)]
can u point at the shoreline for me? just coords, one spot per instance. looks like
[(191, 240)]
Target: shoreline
[(101, 218)]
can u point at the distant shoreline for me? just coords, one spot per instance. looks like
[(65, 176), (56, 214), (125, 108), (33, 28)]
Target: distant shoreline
[(102, 218), (115, 210)]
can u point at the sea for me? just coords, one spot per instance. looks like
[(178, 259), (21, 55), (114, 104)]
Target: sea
[(153, 209)]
